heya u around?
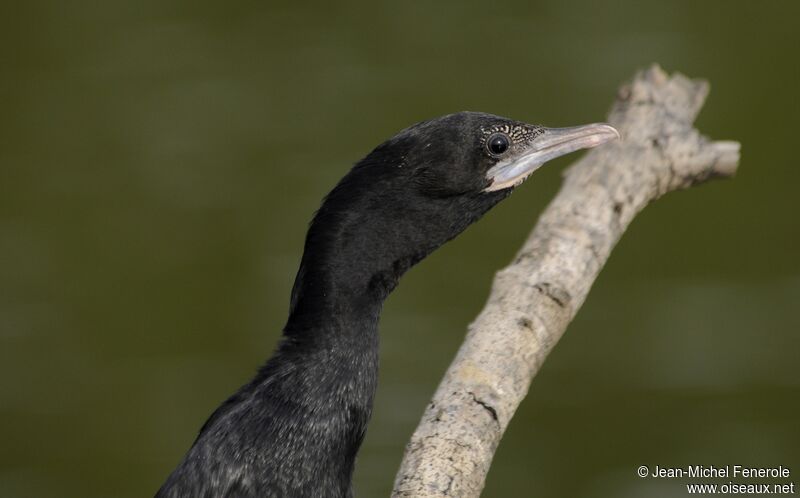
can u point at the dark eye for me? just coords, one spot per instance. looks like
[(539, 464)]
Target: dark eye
[(497, 143)]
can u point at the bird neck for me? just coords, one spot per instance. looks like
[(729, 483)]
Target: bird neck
[(347, 271), (337, 299), (332, 316)]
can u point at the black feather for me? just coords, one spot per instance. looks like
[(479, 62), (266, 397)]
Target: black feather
[(295, 429)]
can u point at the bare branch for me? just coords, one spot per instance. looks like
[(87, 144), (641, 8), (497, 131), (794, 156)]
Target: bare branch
[(534, 299)]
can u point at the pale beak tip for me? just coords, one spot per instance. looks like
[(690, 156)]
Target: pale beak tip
[(613, 133)]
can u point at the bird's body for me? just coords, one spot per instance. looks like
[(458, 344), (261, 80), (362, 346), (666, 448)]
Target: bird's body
[(295, 429)]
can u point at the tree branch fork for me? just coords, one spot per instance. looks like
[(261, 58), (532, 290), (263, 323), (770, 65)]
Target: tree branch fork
[(534, 299)]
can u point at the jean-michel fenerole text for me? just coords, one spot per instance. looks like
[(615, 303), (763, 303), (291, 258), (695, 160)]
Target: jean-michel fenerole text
[(722, 471)]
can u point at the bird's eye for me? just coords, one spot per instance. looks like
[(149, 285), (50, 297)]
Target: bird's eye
[(497, 143)]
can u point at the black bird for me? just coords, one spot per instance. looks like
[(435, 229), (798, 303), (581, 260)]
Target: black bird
[(294, 430)]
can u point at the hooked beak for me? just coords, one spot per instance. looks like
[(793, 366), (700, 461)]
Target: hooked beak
[(553, 143)]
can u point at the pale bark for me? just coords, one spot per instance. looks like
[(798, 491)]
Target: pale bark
[(534, 299)]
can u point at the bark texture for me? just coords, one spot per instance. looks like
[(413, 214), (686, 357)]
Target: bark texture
[(533, 299)]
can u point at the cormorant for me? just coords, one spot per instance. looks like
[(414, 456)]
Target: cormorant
[(294, 430)]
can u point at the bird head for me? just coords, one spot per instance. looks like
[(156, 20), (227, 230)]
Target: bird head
[(471, 153), (433, 179), (424, 186)]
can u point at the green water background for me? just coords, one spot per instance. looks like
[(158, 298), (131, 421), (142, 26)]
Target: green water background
[(159, 162)]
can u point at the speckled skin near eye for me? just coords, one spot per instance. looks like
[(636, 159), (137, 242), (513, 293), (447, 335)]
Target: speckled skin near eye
[(520, 134)]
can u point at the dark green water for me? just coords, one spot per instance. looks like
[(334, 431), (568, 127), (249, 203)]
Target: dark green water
[(159, 162)]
